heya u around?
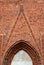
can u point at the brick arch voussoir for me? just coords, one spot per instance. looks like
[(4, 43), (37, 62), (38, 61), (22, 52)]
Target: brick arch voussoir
[(22, 45)]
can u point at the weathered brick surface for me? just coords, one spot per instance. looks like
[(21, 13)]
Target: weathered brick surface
[(22, 20)]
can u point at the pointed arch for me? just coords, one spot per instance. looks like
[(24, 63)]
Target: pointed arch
[(22, 45), (21, 57)]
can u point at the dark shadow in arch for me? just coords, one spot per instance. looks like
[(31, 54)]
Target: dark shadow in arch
[(22, 45)]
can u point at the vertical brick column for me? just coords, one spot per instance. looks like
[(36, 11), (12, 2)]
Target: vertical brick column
[(0, 49), (43, 48)]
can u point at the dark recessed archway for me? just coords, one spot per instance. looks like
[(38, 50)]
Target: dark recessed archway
[(22, 45)]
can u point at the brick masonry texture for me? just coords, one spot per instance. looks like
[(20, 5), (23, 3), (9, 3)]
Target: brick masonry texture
[(21, 20)]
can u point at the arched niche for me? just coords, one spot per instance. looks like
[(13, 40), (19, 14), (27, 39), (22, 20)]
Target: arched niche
[(22, 45), (21, 57)]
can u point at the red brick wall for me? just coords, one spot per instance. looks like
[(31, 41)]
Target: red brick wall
[(22, 20)]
